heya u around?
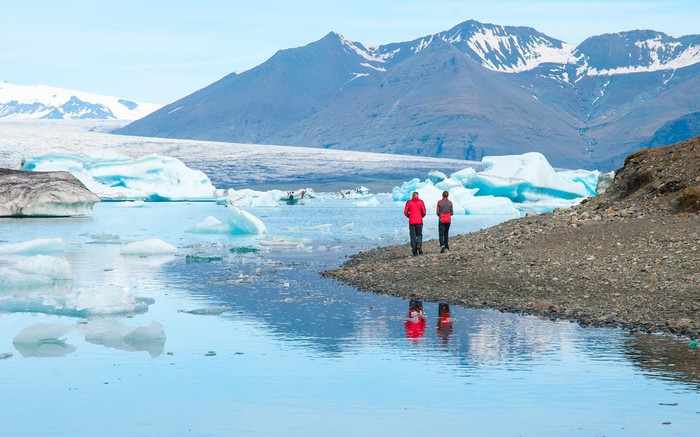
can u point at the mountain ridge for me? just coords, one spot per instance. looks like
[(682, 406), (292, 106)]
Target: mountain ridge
[(472, 90)]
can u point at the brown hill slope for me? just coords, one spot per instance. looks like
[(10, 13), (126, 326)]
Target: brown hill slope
[(629, 257)]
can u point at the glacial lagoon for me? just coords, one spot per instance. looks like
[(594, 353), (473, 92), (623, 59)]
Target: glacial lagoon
[(240, 335)]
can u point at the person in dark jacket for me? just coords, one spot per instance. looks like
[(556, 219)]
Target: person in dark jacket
[(415, 211), (444, 211)]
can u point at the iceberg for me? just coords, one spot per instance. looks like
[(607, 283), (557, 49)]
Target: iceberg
[(525, 177), (114, 176), (153, 246), (43, 194), (507, 185), (238, 222)]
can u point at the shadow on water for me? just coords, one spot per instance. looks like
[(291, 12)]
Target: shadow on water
[(665, 359)]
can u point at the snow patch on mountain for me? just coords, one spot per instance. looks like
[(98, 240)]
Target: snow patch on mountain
[(690, 56), (40, 101)]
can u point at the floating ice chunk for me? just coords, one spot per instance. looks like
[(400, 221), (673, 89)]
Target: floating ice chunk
[(107, 299), (589, 179), (489, 205), (247, 198), (436, 176), (112, 175), (464, 177), (373, 201), (114, 334), (153, 246), (546, 205), (210, 225), (43, 340), (326, 227), (19, 272), (243, 222), (280, 242), (348, 227), (102, 237), (208, 311), (131, 204), (448, 184), (354, 193), (42, 245), (404, 191), (238, 222), (524, 177)]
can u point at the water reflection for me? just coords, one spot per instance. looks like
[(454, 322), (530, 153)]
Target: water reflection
[(43, 340), (48, 339), (664, 359), (444, 324), (415, 322), (112, 333)]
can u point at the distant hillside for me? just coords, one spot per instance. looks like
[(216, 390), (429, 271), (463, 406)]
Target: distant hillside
[(39, 101), (476, 89)]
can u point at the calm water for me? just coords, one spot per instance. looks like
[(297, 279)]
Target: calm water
[(296, 354)]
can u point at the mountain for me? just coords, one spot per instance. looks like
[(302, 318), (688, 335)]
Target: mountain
[(476, 89), (39, 101)]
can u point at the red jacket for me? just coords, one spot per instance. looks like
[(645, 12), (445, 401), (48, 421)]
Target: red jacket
[(415, 211)]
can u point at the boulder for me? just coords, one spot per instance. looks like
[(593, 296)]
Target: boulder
[(43, 194)]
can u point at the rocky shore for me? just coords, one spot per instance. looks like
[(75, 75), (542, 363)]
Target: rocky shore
[(628, 258)]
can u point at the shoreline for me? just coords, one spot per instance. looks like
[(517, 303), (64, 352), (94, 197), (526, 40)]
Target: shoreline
[(628, 258), (596, 273)]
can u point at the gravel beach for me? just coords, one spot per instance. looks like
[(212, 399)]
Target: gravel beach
[(628, 258)]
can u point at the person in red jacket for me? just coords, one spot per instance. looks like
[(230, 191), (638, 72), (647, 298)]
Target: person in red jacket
[(415, 211)]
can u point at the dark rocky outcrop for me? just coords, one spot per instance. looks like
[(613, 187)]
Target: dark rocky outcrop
[(43, 194), (627, 258)]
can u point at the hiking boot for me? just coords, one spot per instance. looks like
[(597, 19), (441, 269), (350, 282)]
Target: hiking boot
[(420, 251), (442, 250)]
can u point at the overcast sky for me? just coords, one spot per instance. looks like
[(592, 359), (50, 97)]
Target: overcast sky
[(161, 50)]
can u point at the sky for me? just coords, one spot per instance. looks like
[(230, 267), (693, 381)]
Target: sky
[(158, 51)]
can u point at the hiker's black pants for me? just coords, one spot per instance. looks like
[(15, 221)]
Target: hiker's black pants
[(443, 231), (416, 232)]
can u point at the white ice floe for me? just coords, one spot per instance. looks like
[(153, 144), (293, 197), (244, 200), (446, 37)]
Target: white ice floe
[(372, 201), (238, 222), (26, 272), (153, 246), (32, 247), (114, 176)]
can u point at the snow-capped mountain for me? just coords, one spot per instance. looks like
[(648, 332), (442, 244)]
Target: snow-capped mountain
[(40, 101), (505, 49), (476, 89)]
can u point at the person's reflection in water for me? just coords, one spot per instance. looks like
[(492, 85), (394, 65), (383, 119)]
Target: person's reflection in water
[(415, 324), (444, 324)]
